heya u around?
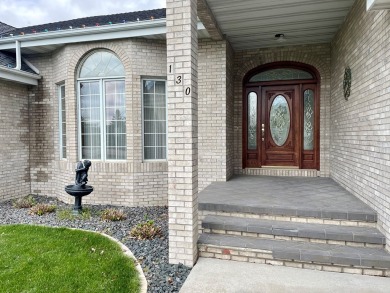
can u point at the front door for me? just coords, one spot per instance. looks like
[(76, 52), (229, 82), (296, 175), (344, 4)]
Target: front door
[(281, 116), (279, 126), (273, 126)]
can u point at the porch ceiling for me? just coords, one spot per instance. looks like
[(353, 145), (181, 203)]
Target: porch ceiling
[(254, 23)]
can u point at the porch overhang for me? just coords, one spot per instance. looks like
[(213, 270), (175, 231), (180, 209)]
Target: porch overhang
[(14, 75), (378, 4), (253, 24)]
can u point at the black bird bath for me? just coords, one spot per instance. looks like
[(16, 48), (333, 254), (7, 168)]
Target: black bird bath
[(80, 188)]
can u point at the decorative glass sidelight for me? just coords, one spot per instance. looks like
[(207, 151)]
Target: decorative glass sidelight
[(308, 120), (252, 121), (280, 120), (281, 74)]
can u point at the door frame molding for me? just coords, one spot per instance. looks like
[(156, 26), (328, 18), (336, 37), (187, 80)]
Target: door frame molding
[(302, 84)]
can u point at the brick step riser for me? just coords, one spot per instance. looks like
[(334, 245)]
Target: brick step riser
[(265, 257), (292, 238), (204, 213)]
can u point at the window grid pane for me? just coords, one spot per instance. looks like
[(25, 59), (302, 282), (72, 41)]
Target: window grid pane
[(281, 74), (102, 64), (90, 109), (154, 124), (62, 122), (115, 120)]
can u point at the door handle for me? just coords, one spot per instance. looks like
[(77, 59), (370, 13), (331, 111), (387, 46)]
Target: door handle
[(262, 132)]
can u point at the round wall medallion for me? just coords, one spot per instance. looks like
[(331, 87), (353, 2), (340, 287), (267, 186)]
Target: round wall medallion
[(347, 83)]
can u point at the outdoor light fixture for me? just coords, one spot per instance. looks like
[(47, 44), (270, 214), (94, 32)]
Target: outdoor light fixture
[(280, 38)]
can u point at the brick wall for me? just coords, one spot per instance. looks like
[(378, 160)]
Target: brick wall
[(14, 141), (229, 111), (133, 182), (360, 137), (315, 55), (119, 183), (214, 109), (182, 58)]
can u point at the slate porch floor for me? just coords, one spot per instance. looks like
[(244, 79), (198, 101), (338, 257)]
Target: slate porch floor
[(286, 196)]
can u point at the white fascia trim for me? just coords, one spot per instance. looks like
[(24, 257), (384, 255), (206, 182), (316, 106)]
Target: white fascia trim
[(107, 32), (377, 4), (18, 76)]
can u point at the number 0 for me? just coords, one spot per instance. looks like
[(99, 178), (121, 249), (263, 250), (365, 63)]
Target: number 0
[(188, 91)]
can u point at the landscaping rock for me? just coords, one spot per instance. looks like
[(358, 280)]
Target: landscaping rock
[(152, 254)]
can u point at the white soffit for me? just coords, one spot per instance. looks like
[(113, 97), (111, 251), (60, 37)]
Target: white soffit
[(378, 4), (11, 74), (254, 23)]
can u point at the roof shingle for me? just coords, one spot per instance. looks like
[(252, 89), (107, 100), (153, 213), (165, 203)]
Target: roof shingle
[(9, 60), (5, 27), (92, 21)]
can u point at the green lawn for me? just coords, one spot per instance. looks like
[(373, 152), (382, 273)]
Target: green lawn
[(43, 259)]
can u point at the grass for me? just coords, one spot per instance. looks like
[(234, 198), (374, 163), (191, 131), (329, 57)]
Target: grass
[(43, 259)]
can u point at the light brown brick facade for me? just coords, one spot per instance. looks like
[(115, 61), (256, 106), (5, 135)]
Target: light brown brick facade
[(133, 182), (205, 125), (14, 141), (360, 136), (182, 61)]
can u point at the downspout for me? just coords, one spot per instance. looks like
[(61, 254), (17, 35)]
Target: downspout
[(18, 56)]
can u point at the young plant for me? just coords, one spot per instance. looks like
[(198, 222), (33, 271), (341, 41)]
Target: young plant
[(68, 215), (113, 215), (24, 202), (146, 230), (42, 209)]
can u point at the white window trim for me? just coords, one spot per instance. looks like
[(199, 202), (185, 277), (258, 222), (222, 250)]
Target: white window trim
[(102, 120), (60, 131), (142, 119)]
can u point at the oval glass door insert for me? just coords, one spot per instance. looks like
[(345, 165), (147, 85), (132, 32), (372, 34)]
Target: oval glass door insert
[(279, 120)]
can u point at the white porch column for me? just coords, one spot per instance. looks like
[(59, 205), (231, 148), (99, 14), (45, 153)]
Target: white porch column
[(182, 59)]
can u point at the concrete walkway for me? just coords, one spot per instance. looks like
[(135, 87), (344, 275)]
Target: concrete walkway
[(221, 276)]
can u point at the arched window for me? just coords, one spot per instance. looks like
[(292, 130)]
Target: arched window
[(281, 74), (102, 107)]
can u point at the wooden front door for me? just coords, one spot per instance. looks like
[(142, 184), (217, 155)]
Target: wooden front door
[(279, 126), (273, 126), (281, 116)]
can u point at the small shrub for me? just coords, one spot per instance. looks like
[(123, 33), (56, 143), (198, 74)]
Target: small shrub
[(68, 215), (146, 230), (41, 209), (25, 202), (113, 215)]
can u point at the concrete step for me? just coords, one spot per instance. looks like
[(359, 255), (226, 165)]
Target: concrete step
[(295, 219), (289, 212), (318, 233), (328, 257)]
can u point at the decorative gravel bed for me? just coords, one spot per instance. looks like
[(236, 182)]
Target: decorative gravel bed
[(152, 254)]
